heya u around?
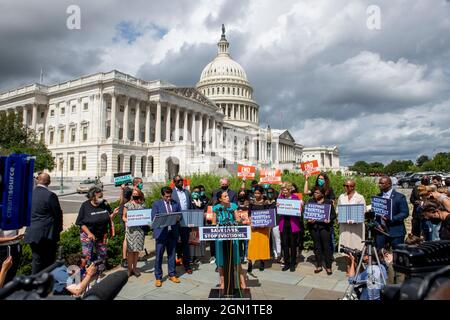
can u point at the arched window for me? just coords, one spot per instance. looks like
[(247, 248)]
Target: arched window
[(234, 92), (228, 90)]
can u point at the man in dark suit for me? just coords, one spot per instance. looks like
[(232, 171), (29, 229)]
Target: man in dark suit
[(184, 199), (46, 225), (400, 211), (166, 237), (224, 185)]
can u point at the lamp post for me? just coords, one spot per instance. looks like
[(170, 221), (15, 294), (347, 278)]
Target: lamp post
[(61, 190)]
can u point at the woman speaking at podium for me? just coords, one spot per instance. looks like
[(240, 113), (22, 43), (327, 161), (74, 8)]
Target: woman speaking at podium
[(225, 215)]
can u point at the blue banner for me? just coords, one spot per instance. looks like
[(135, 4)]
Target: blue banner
[(382, 207), (317, 212), (263, 218), (225, 233), (140, 217), (289, 207)]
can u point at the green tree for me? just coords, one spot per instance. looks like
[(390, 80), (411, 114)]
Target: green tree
[(421, 160), (440, 162), (16, 138), (360, 167), (397, 166)]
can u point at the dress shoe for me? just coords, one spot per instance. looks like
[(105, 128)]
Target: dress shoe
[(137, 273), (174, 279), (286, 267), (329, 272), (158, 283), (250, 267), (189, 271), (318, 270), (292, 268)]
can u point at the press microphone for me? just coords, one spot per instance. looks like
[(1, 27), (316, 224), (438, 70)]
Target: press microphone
[(108, 288)]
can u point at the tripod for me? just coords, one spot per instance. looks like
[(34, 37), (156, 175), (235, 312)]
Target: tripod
[(369, 247)]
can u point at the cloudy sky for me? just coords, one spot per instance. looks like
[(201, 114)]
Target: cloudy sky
[(316, 67)]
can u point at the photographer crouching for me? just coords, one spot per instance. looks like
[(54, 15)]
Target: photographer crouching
[(370, 279), (74, 277)]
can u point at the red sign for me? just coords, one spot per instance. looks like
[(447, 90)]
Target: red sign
[(186, 184), (247, 172), (310, 167), (270, 176)]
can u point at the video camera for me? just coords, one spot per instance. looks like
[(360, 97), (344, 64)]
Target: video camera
[(354, 252), (426, 266)]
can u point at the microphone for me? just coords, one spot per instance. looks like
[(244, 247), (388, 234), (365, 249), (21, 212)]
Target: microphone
[(108, 288)]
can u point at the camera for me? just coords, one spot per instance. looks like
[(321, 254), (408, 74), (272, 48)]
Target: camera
[(95, 263), (426, 267), (354, 252)]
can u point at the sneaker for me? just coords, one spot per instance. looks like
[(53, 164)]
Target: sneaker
[(212, 260), (179, 261), (286, 268)]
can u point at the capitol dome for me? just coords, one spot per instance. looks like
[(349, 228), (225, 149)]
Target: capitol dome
[(225, 82)]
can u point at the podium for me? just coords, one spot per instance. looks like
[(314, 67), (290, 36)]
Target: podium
[(231, 291)]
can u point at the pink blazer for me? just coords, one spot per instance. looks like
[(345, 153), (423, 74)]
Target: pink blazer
[(295, 221)]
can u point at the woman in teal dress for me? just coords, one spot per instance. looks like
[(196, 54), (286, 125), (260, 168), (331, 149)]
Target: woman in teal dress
[(225, 215)]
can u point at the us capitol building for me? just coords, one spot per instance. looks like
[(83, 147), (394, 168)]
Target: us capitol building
[(105, 123)]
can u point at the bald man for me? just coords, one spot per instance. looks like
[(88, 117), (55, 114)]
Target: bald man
[(224, 186), (400, 211), (46, 225)]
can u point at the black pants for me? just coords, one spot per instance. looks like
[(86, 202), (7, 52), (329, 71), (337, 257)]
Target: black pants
[(416, 222), (16, 253), (289, 243), (212, 248), (183, 247), (321, 237), (43, 254)]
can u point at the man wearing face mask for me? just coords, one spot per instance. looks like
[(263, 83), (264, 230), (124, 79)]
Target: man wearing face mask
[(436, 213), (125, 196), (184, 199), (415, 200), (224, 186)]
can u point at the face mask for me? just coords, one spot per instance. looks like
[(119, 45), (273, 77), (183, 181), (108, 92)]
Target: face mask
[(195, 195), (266, 186), (136, 197), (202, 193), (140, 186), (224, 188), (99, 201), (321, 182), (435, 221), (241, 197), (270, 195), (253, 189)]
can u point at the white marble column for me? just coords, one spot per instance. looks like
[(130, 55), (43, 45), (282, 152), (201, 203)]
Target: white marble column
[(137, 125), (193, 131), (158, 123), (226, 110), (214, 135), (125, 119), (200, 129), (34, 117), (113, 116), (221, 137), (147, 123), (185, 126), (168, 129), (207, 146), (25, 116), (233, 112), (177, 124)]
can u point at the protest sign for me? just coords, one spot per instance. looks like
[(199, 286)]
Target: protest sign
[(192, 218), (225, 233), (351, 213), (139, 217), (246, 172), (289, 207), (263, 218), (382, 207), (310, 167), (317, 212), (122, 178), (270, 176)]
